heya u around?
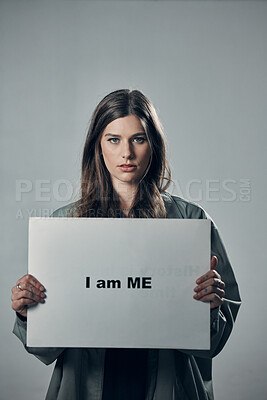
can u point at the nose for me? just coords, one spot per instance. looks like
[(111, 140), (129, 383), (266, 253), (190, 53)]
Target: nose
[(127, 151)]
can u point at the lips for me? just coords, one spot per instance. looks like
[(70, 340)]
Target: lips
[(127, 167)]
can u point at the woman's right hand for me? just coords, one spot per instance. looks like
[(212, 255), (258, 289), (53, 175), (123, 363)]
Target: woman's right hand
[(27, 291)]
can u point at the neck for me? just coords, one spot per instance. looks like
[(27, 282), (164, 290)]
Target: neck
[(126, 193)]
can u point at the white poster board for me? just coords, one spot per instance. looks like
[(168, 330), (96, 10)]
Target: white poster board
[(119, 282)]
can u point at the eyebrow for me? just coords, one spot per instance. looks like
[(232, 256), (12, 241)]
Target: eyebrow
[(115, 135)]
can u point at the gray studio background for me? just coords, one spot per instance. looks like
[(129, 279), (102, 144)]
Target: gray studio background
[(203, 64)]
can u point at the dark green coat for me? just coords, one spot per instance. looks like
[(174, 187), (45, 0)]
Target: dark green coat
[(171, 374)]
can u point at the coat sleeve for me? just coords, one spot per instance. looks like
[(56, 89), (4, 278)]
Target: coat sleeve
[(46, 354), (223, 317)]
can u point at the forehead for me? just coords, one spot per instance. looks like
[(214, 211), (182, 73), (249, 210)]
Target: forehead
[(130, 124)]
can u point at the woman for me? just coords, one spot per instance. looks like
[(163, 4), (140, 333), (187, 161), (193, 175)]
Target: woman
[(125, 174)]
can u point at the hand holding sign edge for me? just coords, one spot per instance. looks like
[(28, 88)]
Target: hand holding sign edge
[(210, 286)]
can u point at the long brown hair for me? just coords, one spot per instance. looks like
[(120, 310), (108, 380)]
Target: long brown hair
[(98, 198)]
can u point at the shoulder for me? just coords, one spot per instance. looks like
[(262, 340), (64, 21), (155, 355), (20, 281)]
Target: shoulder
[(66, 211), (177, 207)]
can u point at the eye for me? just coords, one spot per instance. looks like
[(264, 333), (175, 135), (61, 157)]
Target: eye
[(113, 140), (139, 139)]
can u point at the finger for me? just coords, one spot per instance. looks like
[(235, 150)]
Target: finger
[(32, 281), (209, 290), (215, 282), (31, 289), (213, 262), (214, 299), (211, 274), (20, 305), (25, 294)]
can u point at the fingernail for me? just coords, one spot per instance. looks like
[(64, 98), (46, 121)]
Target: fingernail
[(195, 296), (42, 288)]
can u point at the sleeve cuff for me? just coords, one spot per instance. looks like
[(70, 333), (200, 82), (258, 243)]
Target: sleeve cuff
[(21, 317)]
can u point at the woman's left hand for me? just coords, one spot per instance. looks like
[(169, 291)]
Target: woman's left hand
[(210, 286)]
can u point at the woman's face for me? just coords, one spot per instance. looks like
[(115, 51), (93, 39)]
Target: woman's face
[(125, 149)]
